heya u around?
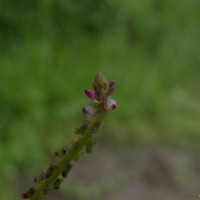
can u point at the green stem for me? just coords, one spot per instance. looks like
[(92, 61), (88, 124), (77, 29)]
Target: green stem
[(75, 149), (85, 139)]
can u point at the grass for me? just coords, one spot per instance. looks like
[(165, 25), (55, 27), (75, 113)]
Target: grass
[(152, 55)]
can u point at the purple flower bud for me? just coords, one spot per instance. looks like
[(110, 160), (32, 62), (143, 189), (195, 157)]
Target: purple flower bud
[(92, 95), (110, 104), (111, 87), (89, 110)]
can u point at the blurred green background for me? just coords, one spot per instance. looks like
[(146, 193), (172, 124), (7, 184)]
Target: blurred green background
[(50, 51)]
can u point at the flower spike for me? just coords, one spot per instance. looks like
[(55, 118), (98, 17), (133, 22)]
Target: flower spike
[(53, 176)]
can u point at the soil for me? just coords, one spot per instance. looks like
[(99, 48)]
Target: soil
[(141, 174)]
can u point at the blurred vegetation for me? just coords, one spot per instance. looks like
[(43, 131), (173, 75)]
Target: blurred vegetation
[(50, 51)]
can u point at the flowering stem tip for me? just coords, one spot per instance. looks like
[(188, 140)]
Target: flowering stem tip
[(53, 176)]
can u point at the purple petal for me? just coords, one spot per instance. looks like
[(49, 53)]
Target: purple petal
[(111, 87), (91, 94), (89, 110), (110, 104), (97, 89)]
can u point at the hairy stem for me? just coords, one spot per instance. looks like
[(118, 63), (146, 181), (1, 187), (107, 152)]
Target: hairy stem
[(94, 115), (74, 150)]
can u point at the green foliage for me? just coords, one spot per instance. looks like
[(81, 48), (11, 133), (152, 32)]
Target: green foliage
[(50, 49), (54, 19)]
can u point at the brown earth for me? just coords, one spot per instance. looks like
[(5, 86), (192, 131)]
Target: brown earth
[(142, 174)]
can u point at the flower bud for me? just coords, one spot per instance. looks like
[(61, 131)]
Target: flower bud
[(56, 153), (111, 88), (110, 104), (32, 191), (64, 150), (81, 130), (66, 170), (50, 170), (89, 110), (61, 152), (29, 193), (100, 84), (25, 195), (41, 177), (92, 95), (57, 183)]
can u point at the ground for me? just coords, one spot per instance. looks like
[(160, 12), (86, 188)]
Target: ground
[(154, 173)]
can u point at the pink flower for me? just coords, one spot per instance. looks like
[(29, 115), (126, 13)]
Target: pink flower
[(101, 94), (89, 110), (110, 104)]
